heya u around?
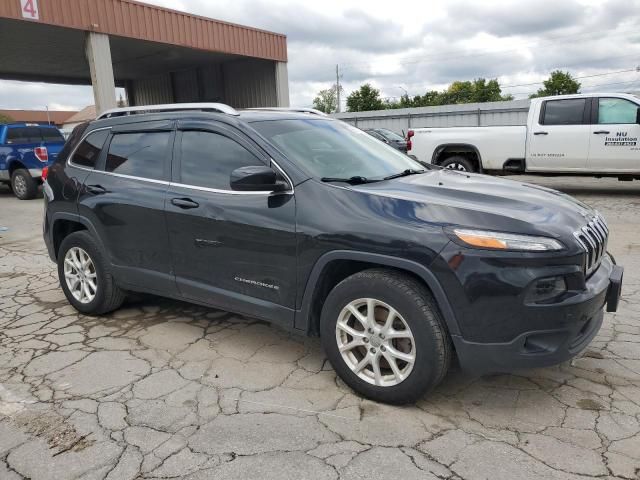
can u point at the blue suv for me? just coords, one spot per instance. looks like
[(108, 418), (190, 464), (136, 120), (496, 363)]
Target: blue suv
[(25, 149)]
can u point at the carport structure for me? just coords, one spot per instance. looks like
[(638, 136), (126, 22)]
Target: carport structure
[(158, 55)]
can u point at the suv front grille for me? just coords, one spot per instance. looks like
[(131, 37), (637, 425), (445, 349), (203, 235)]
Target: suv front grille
[(593, 239)]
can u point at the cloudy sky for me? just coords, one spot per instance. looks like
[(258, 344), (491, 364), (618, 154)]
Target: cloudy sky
[(420, 45)]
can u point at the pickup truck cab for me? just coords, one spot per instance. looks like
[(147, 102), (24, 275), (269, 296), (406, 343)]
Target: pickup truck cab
[(25, 149), (592, 134)]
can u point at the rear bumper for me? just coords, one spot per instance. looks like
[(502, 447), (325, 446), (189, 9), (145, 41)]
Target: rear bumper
[(35, 172), (579, 321)]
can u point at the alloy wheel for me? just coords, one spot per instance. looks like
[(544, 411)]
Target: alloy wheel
[(375, 342), (456, 166), (80, 275), (20, 185)]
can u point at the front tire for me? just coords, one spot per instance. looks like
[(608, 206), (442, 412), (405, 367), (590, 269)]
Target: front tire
[(459, 163), (384, 336), (23, 185), (85, 275)]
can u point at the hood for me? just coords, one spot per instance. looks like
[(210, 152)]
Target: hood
[(448, 197)]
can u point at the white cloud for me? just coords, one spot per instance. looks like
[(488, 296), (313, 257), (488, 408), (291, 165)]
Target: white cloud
[(422, 45)]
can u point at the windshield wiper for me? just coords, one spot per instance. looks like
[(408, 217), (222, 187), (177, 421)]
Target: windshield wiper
[(355, 180), (404, 173)]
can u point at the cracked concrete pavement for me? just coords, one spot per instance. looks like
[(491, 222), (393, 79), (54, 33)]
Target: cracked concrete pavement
[(163, 389)]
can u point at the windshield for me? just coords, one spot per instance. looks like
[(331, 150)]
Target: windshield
[(389, 135), (329, 148)]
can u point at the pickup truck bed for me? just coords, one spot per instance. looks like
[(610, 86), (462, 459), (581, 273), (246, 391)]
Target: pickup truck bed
[(25, 149)]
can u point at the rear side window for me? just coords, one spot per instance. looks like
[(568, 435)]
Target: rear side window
[(564, 112), (138, 154), (207, 159), (616, 110), (17, 135), (88, 151), (51, 135)]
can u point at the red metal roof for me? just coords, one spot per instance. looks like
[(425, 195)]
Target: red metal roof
[(57, 117), (128, 18)]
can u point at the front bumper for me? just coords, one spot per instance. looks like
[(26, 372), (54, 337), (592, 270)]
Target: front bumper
[(579, 320)]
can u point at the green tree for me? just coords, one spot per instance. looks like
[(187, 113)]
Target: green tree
[(476, 91), (364, 99), (558, 83), (327, 101), (5, 118)]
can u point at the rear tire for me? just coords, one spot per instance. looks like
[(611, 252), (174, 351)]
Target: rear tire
[(416, 323), (461, 164), (23, 185), (79, 252)]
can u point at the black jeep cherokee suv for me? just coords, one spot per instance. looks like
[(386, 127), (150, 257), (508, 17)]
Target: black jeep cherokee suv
[(307, 222)]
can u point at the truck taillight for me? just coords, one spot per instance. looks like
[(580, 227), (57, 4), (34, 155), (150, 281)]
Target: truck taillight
[(410, 134), (45, 173), (41, 154)]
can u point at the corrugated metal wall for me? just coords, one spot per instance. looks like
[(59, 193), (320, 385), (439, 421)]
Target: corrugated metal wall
[(212, 83), (127, 18), (239, 83), (250, 83), (467, 115), (152, 90), (185, 86)]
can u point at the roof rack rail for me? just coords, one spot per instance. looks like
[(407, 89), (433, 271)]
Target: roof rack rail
[(168, 107), (287, 109)]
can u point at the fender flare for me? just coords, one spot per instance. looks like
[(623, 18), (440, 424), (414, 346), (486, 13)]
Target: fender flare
[(468, 146), (74, 217), (303, 316), (12, 161)]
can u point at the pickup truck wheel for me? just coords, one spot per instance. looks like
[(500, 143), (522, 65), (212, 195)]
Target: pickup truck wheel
[(384, 336), (458, 163), (85, 276), (23, 185)]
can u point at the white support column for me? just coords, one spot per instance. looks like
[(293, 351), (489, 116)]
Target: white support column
[(282, 84), (98, 54)]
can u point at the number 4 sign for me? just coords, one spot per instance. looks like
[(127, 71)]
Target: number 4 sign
[(29, 9)]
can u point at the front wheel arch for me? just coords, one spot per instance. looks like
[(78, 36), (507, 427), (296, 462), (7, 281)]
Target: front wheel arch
[(308, 321)]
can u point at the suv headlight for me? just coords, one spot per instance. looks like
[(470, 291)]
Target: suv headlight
[(506, 241)]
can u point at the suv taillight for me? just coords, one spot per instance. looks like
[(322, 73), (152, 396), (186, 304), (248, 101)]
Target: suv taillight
[(410, 134), (45, 173), (41, 154)]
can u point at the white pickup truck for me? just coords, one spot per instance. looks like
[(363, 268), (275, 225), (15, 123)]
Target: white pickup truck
[(586, 134)]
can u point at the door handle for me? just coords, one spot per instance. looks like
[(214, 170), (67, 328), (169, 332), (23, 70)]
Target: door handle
[(96, 189), (184, 203), (541, 133), (601, 132)]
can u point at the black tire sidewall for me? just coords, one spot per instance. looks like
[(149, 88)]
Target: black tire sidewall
[(423, 376), (463, 161), (85, 241), (32, 186)]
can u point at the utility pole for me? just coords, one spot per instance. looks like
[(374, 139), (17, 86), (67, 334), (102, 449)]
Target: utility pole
[(337, 88), (48, 118)]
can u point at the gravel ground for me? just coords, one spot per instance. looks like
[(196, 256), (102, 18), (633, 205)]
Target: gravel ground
[(163, 389)]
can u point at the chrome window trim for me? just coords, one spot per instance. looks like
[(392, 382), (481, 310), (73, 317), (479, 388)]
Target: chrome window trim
[(73, 152), (216, 190), (133, 177), (290, 191)]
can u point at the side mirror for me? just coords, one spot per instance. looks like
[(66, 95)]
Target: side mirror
[(256, 179), (638, 116)]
